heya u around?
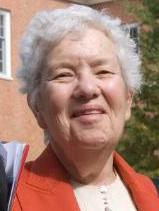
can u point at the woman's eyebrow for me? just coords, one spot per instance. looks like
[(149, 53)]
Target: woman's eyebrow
[(55, 65), (98, 62)]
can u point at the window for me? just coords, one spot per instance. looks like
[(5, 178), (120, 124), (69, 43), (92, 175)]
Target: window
[(133, 30), (5, 60)]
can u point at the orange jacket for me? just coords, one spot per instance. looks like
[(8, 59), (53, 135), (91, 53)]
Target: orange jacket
[(44, 186)]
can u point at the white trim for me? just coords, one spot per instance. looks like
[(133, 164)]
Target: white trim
[(4, 76), (7, 73), (89, 2), (131, 25)]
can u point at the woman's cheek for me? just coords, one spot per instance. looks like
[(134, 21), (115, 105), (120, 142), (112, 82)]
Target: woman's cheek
[(114, 91)]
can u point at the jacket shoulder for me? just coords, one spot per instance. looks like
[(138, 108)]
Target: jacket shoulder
[(23, 176), (147, 183)]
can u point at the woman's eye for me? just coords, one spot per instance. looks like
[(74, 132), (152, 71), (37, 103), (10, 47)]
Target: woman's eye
[(104, 72), (63, 76)]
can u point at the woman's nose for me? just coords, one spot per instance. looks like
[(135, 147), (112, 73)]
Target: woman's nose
[(87, 88)]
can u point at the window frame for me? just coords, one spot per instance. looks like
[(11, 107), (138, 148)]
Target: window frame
[(136, 39), (6, 72)]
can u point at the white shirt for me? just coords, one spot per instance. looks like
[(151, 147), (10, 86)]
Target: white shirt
[(114, 197)]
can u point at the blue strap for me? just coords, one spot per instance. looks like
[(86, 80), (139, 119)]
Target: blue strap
[(156, 183)]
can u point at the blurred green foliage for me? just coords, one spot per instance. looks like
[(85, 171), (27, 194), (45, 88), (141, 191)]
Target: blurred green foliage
[(140, 144)]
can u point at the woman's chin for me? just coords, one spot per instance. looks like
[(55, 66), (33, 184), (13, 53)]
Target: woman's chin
[(91, 144)]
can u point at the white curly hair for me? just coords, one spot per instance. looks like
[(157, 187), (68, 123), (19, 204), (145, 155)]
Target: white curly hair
[(49, 27)]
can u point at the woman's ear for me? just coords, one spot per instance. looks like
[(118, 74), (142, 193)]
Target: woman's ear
[(37, 112), (129, 105)]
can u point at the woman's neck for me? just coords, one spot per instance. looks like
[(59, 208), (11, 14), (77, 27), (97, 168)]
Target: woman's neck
[(88, 166)]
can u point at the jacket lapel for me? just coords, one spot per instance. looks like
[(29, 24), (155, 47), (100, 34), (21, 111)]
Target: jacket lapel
[(141, 187), (49, 180)]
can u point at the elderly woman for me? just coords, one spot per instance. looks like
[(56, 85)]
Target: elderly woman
[(80, 72)]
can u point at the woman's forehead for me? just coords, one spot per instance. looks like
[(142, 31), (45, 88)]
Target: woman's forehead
[(93, 43)]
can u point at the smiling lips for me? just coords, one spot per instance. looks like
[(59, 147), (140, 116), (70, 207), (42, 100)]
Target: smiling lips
[(88, 111)]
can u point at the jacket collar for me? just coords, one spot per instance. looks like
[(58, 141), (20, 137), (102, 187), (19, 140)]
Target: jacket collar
[(140, 187), (48, 174)]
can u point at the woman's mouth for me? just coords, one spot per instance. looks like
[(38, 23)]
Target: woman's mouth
[(88, 114)]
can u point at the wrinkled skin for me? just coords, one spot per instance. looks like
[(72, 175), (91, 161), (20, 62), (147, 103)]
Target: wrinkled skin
[(83, 100)]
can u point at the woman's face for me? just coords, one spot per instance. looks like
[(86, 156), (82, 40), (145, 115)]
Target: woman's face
[(83, 100)]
